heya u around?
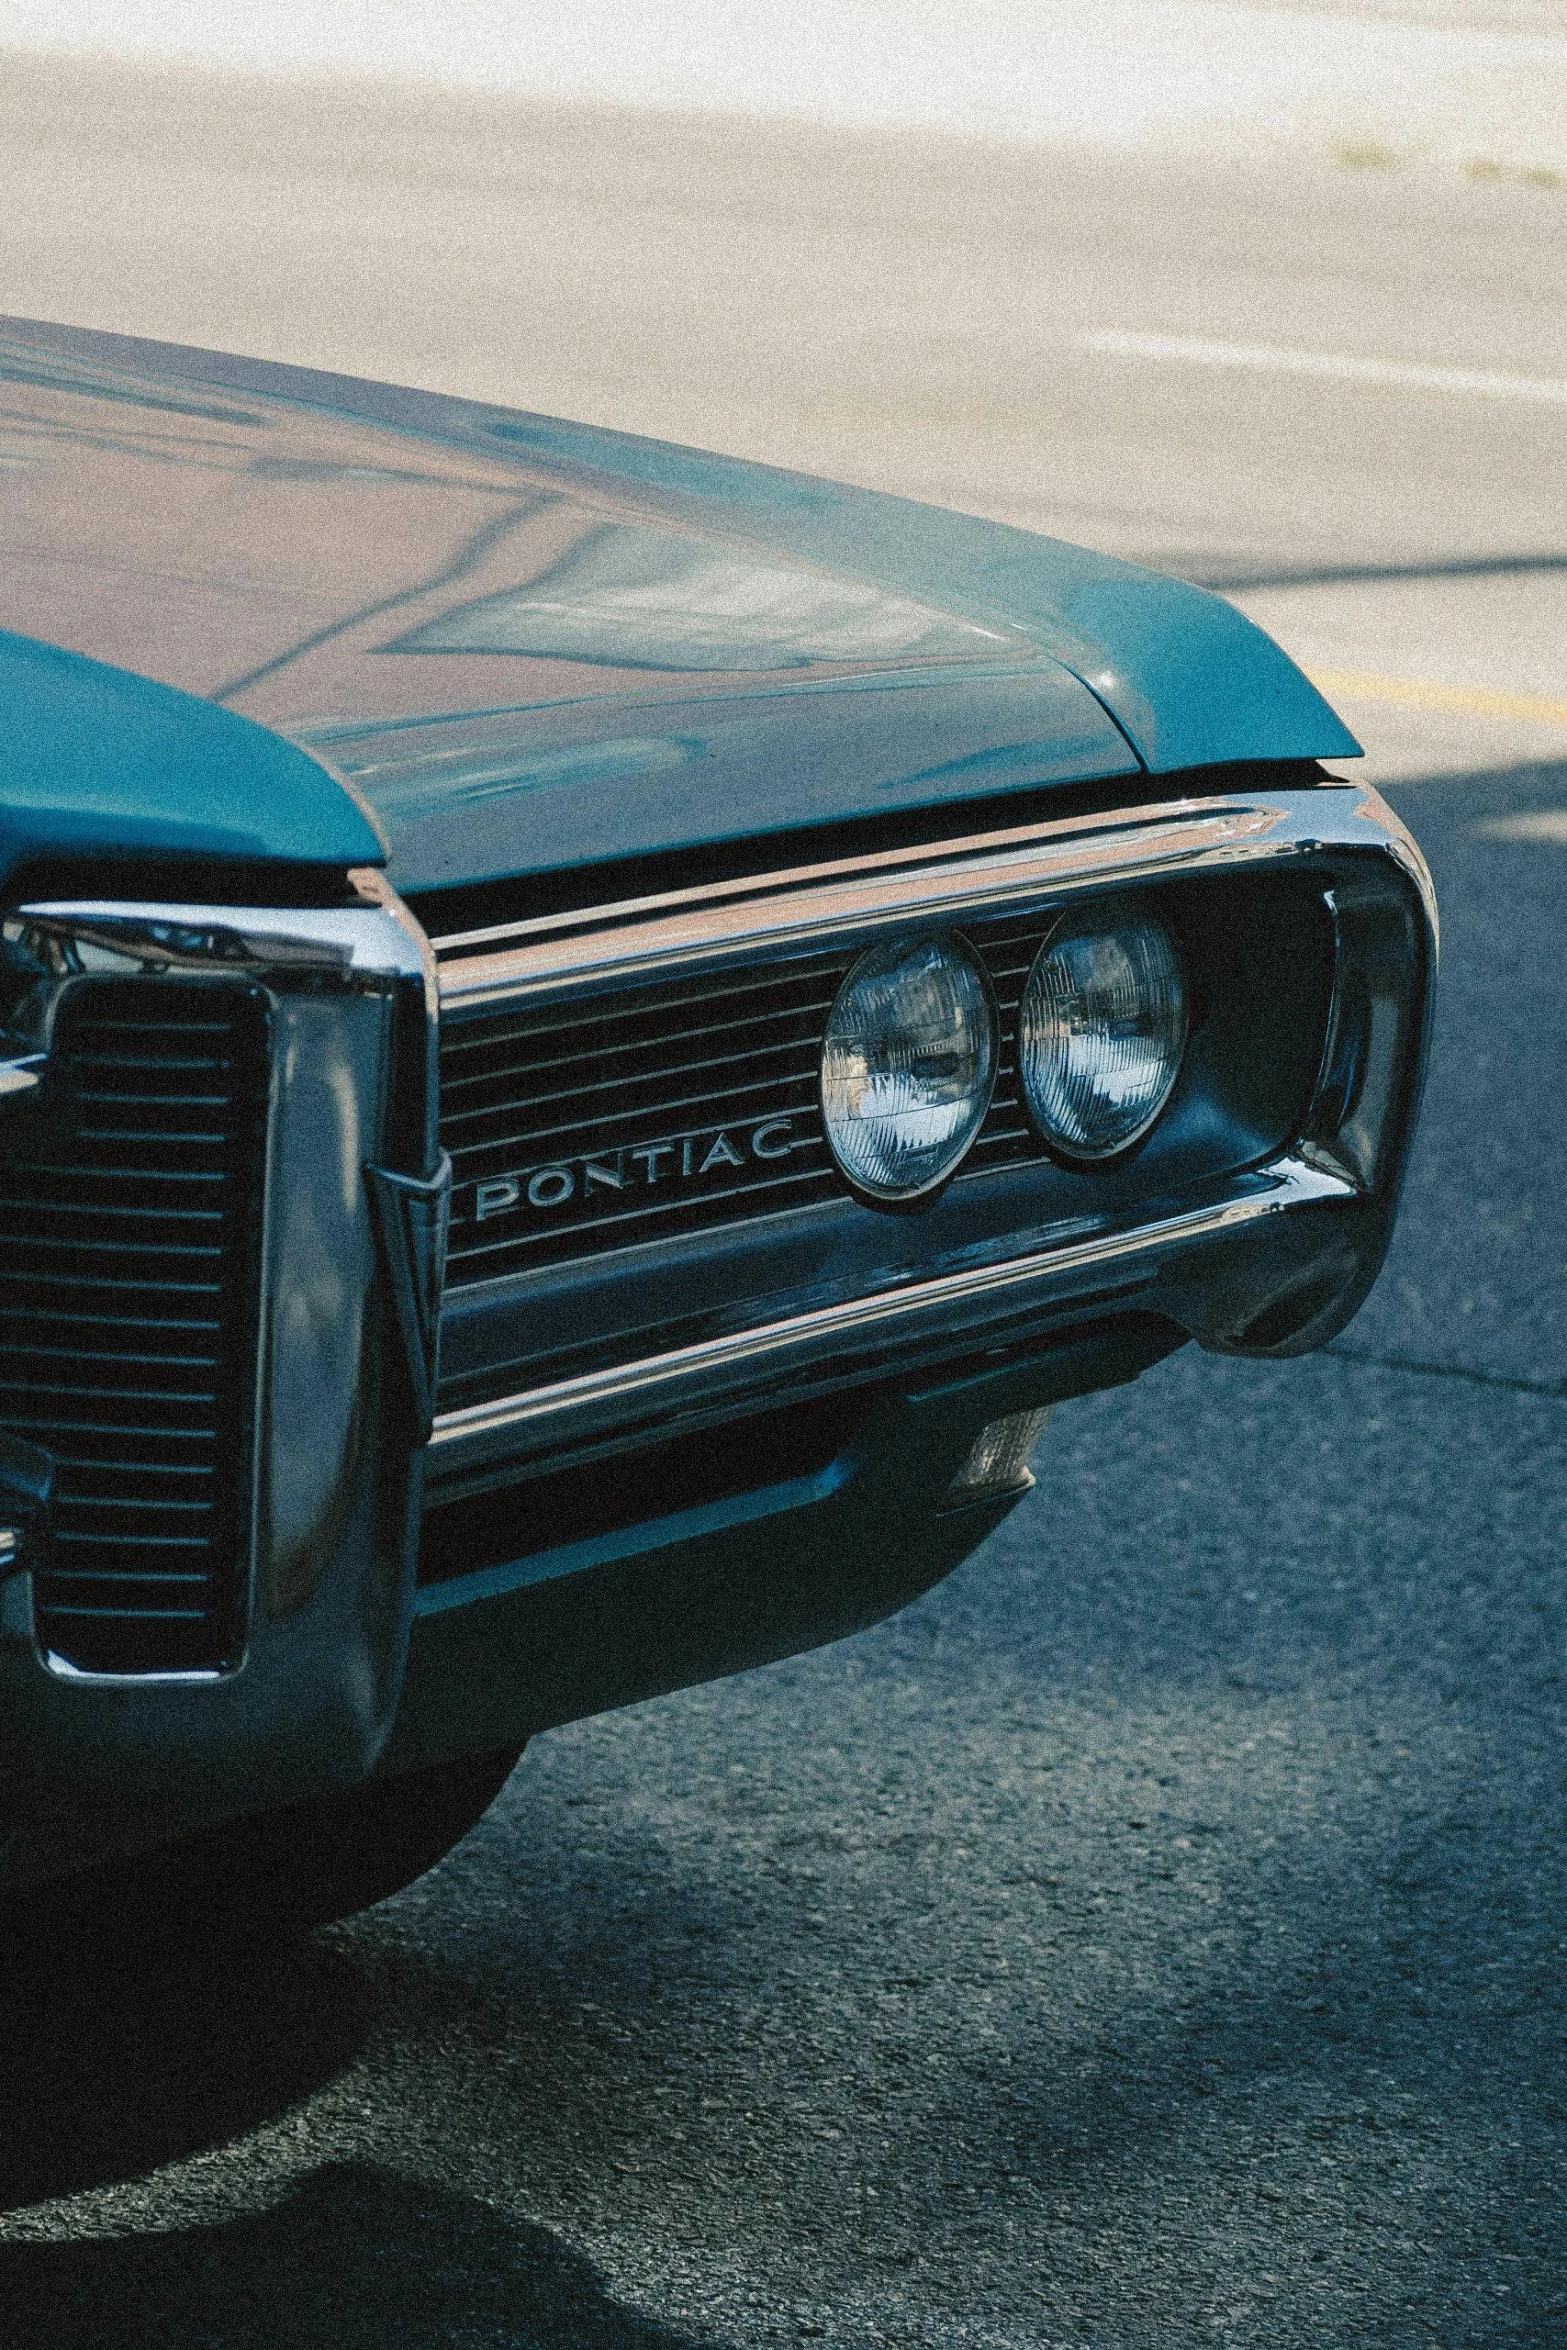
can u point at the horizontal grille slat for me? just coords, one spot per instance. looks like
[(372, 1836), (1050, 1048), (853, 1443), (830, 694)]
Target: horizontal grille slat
[(722, 1106), (656, 1081), (122, 1501), (86, 1463), (80, 1173), (44, 1430), (128, 1314), (87, 1586), (209, 1243), (126, 1394), (139, 1134), (101, 1025), (35, 1316), (77, 1242), (130, 1616), (124, 1542), (663, 1015), (646, 1056), (662, 1110), (102, 1357), (142, 1099), (169, 1064), (104, 1282)]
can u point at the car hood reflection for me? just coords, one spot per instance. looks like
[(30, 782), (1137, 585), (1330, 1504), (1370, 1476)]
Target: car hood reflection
[(642, 598)]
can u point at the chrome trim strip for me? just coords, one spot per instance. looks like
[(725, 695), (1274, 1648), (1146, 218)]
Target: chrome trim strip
[(362, 945), (60, 1668), (817, 906), (581, 1407)]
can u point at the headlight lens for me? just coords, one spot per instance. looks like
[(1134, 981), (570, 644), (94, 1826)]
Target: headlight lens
[(1101, 1031), (907, 1066)]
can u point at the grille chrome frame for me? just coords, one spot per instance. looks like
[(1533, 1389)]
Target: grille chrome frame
[(815, 908), (611, 968), (304, 1703)]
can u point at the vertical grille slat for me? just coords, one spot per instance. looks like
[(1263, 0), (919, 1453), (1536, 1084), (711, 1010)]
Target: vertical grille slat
[(129, 1262), (585, 1091)]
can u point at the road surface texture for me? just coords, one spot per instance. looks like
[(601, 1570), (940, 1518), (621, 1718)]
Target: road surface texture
[(1156, 1936)]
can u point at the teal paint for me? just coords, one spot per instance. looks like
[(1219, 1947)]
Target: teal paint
[(95, 762)]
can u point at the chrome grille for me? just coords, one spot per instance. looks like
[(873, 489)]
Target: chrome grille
[(129, 1240), (667, 1109), (691, 1071)]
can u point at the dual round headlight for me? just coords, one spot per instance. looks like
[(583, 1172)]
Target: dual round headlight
[(909, 1061), (1100, 1033), (908, 1065)]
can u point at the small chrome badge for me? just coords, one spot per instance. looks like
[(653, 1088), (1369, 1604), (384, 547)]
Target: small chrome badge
[(637, 1167), (413, 1215)]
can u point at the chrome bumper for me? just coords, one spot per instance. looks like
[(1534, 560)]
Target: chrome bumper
[(747, 1370)]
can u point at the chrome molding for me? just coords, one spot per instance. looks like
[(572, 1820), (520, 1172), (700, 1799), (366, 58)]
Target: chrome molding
[(60, 1668), (360, 946), (815, 906), (582, 1408)]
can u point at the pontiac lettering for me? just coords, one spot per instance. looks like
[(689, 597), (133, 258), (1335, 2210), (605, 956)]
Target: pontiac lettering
[(635, 1167)]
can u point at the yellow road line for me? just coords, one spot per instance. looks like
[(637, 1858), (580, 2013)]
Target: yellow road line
[(1467, 701)]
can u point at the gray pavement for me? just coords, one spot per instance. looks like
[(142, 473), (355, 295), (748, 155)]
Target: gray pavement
[(1156, 1935)]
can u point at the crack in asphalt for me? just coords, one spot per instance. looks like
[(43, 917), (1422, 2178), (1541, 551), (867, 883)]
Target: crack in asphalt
[(1556, 1389)]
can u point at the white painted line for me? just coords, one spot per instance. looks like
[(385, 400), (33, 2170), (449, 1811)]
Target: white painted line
[(1118, 342), (1540, 824)]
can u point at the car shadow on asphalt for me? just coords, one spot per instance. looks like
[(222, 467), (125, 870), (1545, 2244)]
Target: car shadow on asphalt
[(353, 2253), (99, 2085)]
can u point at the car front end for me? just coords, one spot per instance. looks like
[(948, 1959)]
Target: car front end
[(568, 1185)]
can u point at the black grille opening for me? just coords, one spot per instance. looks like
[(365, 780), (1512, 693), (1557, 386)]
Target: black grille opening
[(667, 1110), (129, 1256), (606, 1496)]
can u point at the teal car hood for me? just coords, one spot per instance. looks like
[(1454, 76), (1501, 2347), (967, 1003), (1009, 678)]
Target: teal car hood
[(523, 644)]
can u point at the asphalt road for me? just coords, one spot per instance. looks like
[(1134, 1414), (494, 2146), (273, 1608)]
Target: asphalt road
[(1156, 1935)]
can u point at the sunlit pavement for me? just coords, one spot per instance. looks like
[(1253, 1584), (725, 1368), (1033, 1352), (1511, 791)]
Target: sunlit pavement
[(1155, 1936)]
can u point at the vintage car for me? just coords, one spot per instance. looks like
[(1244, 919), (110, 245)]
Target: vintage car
[(595, 1034)]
